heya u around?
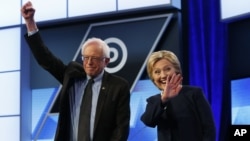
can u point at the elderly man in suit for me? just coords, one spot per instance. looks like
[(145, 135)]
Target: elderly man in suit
[(109, 110)]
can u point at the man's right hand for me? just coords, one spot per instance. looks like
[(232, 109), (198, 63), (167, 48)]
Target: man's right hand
[(28, 13)]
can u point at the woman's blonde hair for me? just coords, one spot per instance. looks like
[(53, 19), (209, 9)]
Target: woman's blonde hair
[(162, 54)]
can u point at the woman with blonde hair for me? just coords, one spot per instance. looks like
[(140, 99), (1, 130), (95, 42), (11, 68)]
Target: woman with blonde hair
[(180, 112)]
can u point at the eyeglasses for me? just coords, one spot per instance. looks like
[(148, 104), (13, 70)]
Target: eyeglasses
[(92, 58)]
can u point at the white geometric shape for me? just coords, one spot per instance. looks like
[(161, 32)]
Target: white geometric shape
[(10, 95), (10, 49)]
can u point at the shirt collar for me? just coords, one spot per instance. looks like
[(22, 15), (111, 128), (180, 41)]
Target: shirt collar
[(98, 77)]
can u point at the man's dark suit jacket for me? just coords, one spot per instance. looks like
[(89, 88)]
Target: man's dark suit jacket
[(186, 117), (113, 109)]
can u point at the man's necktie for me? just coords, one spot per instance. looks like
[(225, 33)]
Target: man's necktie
[(85, 111)]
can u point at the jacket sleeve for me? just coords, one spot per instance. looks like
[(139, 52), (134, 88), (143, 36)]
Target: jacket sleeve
[(44, 57), (121, 130), (153, 112)]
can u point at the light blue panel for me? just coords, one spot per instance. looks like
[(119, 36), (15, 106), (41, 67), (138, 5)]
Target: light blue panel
[(40, 101), (9, 128), (10, 13), (88, 7), (10, 49), (240, 101), (10, 94), (138, 131), (49, 127), (47, 10), (132, 4), (234, 8)]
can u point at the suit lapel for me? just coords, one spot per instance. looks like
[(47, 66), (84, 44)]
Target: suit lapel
[(102, 97)]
